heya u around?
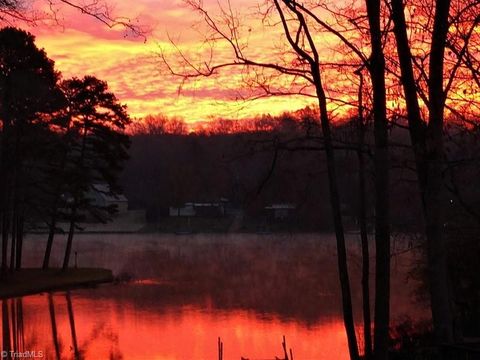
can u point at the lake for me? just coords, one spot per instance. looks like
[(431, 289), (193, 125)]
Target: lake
[(178, 294)]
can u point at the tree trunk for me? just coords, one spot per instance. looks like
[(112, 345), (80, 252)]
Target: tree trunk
[(427, 144), (51, 227), (442, 314), (4, 181), (19, 228), (13, 244), (382, 247), (71, 319), (382, 218), (362, 219), (435, 200), (367, 323), (71, 232), (54, 213), (51, 235), (71, 229), (337, 220), (58, 189), (5, 237), (5, 195), (16, 190)]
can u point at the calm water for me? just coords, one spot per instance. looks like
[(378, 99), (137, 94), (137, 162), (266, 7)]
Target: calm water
[(183, 292)]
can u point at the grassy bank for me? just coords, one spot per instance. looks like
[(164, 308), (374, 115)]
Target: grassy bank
[(32, 281)]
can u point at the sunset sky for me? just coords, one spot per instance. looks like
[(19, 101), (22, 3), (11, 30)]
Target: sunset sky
[(81, 45)]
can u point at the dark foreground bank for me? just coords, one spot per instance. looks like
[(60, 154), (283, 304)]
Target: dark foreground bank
[(32, 281)]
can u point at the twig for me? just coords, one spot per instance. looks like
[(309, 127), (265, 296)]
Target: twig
[(220, 349)]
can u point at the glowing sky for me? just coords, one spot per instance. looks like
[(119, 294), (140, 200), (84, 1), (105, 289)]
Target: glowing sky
[(81, 45)]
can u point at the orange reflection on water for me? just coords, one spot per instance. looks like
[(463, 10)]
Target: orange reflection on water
[(111, 328), (185, 292)]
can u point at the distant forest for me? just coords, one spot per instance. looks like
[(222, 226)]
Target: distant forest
[(269, 159)]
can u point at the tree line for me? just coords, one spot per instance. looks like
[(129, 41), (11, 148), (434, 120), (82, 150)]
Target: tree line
[(159, 124), (58, 138)]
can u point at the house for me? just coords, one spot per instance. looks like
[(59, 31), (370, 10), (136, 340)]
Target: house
[(281, 211), (208, 209), (201, 209), (102, 197), (186, 210)]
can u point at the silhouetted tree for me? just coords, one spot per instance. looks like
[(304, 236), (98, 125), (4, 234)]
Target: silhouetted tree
[(376, 67), (27, 90), (98, 147), (427, 132), (361, 123), (56, 182)]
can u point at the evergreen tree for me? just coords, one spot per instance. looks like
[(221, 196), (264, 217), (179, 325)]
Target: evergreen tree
[(97, 146), (27, 93)]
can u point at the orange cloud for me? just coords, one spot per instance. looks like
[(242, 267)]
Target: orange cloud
[(133, 68)]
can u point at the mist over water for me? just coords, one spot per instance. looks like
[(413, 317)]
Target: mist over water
[(178, 294)]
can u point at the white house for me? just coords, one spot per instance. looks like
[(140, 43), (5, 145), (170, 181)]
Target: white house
[(101, 197), (201, 209)]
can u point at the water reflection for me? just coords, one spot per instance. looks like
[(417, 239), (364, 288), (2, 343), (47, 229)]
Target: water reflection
[(71, 320), (51, 309), (25, 337), (75, 326), (184, 293)]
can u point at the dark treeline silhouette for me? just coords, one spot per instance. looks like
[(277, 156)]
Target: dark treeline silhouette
[(205, 166), (160, 124), (256, 168), (58, 138), (279, 164)]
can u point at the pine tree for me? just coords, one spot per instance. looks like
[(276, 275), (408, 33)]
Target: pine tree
[(27, 92), (98, 145)]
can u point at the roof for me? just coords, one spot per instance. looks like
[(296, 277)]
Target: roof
[(103, 190), (208, 204), (280, 206)]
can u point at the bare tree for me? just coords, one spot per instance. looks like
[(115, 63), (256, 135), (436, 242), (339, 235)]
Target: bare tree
[(451, 73), (11, 10), (362, 219), (22, 11), (376, 68)]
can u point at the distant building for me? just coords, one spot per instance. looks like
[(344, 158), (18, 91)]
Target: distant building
[(207, 209), (102, 197), (185, 210), (281, 211), (201, 209)]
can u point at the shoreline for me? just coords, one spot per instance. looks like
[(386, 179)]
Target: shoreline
[(30, 281), (181, 232)]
